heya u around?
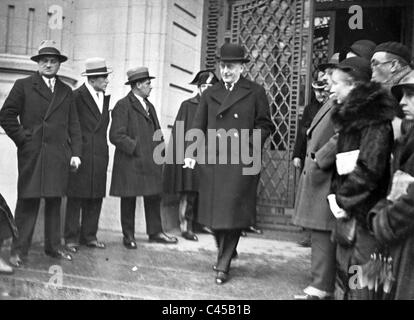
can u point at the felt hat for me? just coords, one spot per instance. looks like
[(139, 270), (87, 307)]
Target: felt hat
[(359, 68), (137, 74), (230, 52), (395, 48), (48, 48), (95, 67)]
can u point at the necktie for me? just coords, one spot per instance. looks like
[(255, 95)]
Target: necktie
[(50, 85), (229, 86), (147, 104)]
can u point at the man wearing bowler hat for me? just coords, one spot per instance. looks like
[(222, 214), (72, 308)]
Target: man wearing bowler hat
[(87, 185), (227, 194), (40, 116), (135, 173)]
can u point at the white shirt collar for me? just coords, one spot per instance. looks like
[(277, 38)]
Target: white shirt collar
[(97, 98), (46, 80)]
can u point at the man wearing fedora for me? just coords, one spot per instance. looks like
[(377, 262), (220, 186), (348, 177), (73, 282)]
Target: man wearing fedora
[(184, 180), (135, 172), (227, 196), (87, 185), (40, 116)]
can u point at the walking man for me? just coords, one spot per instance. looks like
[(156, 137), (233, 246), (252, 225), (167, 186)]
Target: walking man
[(40, 116), (87, 186), (135, 173)]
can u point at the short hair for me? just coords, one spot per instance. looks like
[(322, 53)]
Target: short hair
[(132, 84)]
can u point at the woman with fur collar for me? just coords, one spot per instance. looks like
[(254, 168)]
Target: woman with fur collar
[(362, 115)]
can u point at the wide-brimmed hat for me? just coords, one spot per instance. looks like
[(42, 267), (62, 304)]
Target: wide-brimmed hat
[(96, 67), (137, 74), (395, 48), (49, 48), (204, 77), (230, 52), (333, 61), (359, 68), (406, 82)]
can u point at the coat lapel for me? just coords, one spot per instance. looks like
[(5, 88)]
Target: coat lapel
[(59, 96), (40, 87), (90, 102), (229, 98), (320, 114), (137, 105), (105, 112)]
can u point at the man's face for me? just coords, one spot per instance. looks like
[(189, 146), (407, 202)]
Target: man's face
[(342, 84), (327, 77), (231, 71), (382, 67), (407, 103), (320, 94), (99, 83), (204, 87), (48, 66), (144, 88)]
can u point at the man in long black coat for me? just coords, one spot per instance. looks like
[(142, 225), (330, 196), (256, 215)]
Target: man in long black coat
[(40, 116), (184, 180), (87, 186), (232, 108), (135, 173)]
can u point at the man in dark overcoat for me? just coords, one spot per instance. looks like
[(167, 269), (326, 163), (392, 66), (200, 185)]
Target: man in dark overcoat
[(135, 173), (40, 116), (87, 185), (227, 192), (184, 180)]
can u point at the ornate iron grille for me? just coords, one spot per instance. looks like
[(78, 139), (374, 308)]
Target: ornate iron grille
[(272, 31)]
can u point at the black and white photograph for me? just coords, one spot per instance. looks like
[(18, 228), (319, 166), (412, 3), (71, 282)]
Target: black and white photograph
[(206, 154)]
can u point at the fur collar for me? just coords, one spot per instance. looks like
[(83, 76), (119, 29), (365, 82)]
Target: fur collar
[(366, 104)]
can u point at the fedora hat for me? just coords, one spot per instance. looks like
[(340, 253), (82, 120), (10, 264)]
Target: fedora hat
[(95, 67), (406, 82), (230, 52), (49, 48), (136, 74), (204, 77)]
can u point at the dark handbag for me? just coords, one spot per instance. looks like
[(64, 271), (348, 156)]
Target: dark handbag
[(345, 231)]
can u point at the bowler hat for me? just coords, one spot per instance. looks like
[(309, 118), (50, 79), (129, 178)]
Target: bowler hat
[(359, 68), (406, 82), (363, 48), (230, 52), (137, 74), (204, 77), (333, 61), (48, 48), (95, 67), (395, 48)]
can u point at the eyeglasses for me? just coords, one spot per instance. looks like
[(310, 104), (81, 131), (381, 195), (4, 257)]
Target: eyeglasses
[(375, 64)]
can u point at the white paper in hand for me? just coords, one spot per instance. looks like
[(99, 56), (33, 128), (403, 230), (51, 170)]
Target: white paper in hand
[(346, 162), (400, 182), (337, 211)]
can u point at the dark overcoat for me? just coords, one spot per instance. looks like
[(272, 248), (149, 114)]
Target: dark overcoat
[(45, 128), (89, 181), (135, 172), (227, 197), (393, 226), (311, 207), (176, 178)]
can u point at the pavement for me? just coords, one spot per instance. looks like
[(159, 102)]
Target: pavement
[(270, 267)]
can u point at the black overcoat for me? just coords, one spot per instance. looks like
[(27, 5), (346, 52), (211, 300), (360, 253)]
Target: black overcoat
[(135, 173), (89, 181), (176, 178), (45, 128), (227, 197)]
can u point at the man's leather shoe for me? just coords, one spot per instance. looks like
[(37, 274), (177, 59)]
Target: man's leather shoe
[(130, 244), (5, 268), (189, 235), (161, 237), (71, 247), (221, 277), (16, 261), (96, 244), (59, 254), (254, 230)]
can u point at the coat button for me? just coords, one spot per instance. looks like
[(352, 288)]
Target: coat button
[(236, 115), (221, 116)]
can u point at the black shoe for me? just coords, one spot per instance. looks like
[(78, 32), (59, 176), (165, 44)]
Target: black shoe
[(189, 235), (161, 237), (71, 247), (130, 244), (221, 277), (96, 244), (254, 230), (59, 254)]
